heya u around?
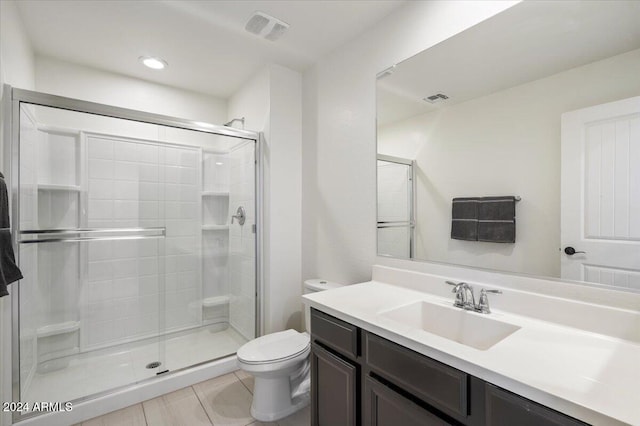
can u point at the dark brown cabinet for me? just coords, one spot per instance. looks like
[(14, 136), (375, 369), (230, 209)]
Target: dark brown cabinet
[(333, 389), (431, 381), (359, 378), (385, 407), (506, 409)]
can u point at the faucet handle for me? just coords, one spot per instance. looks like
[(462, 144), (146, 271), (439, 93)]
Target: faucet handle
[(456, 286), (458, 289), (483, 303)]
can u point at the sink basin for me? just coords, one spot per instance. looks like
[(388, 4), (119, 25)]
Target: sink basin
[(471, 329)]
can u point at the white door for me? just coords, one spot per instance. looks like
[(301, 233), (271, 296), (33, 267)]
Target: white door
[(600, 158)]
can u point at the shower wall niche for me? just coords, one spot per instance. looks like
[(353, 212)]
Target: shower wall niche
[(127, 248)]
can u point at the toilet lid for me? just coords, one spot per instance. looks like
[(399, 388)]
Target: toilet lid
[(274, 347)]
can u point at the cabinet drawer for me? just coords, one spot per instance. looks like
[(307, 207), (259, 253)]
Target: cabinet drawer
[(337, 334), (385, 407), (439, 385), (504, 408)]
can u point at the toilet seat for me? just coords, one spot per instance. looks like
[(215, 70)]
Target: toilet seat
[(274, 347)]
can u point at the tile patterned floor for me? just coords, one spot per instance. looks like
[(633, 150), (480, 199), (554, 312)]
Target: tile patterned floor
[(223, 401)]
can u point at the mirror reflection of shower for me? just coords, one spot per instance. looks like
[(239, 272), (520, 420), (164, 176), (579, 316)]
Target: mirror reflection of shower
[(396, 224)]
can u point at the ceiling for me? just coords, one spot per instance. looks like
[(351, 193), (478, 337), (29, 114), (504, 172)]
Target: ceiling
[(529, 41), (204, 42)]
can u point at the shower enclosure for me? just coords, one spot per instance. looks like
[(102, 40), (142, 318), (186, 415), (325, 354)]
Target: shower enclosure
[(133, 267), (396, 189)]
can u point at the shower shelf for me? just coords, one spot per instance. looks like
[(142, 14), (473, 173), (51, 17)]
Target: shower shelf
[(214, 194), (215, 227), (210, 302), (56, 329), (53, 187)]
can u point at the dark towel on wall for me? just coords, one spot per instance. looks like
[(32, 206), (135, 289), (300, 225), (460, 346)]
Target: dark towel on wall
[(464, 219), (497, 219), (9, 272)]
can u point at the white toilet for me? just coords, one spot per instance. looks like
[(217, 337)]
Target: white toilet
[(280, 365)]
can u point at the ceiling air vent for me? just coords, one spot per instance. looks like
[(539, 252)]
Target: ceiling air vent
[(266, 26), (436, 99)]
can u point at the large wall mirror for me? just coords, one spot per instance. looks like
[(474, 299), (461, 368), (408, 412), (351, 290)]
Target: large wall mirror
[(515, 145)]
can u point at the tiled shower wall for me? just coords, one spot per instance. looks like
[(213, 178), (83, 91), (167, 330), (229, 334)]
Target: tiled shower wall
[(136, 184), (242, 260)]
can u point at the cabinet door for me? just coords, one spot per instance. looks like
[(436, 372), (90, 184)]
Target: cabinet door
[(385, 407), (333, 389), (506, 409)]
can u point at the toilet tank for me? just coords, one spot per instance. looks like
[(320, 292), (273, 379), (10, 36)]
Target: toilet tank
[(312, 286)]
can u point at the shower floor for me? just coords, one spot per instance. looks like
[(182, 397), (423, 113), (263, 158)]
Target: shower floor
[(106, 369)]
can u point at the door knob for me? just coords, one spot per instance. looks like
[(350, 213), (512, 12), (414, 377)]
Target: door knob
[(571, 251)]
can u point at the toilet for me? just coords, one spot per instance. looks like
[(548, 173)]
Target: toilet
[(280, 365)]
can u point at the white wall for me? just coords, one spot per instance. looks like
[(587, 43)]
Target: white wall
[(339, 146), (16, 69), (506, 143), (271, 103), (16, 54), (80, 82), (285, 198)]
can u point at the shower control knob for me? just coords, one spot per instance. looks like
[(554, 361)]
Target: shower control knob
[(240, 215), (571, 251)]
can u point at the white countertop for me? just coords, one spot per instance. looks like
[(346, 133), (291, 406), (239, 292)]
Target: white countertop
[(589, 376)]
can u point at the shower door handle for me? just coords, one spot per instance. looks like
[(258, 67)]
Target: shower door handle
[(78, 235), (240, 215)]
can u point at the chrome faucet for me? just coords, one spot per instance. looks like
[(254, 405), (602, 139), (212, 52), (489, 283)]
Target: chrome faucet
[(465, 298)]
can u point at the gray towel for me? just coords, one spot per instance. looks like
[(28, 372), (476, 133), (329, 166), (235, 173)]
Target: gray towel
[(9, 272), (497, 219), (464, 219)]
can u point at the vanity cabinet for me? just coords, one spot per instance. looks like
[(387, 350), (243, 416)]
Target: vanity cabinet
[(359, 378), (335, 371)]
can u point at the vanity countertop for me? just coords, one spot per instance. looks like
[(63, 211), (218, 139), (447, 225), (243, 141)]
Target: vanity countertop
[(589, 376)]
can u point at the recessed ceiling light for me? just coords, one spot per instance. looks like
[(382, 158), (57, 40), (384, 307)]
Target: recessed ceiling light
[(153, 63)]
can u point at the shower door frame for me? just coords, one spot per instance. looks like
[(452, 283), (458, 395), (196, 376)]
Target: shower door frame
[(12, 98), (411, 223)]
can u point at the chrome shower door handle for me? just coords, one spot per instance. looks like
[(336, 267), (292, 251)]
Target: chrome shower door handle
[(240, 215)]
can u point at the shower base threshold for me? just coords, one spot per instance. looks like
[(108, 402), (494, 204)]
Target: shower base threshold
[(95, 372), (130, 395)]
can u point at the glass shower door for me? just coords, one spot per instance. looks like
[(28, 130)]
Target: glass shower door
[(137, 243), (90, 239), (396, 224), (210, 254)]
